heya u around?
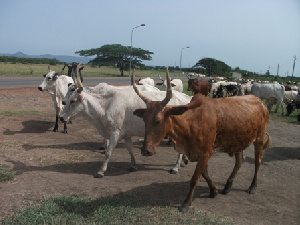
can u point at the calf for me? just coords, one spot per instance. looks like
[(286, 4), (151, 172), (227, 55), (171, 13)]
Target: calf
[(205, 126)]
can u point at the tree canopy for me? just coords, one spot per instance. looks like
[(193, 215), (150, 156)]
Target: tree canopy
[(213, 67), (116, 55)]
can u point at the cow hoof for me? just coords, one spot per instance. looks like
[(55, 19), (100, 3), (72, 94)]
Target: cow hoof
[(250, 191), (132, 169), (65, 131), (213, 194), (172, 171), (183, 209), (97, 175), (224, 191)]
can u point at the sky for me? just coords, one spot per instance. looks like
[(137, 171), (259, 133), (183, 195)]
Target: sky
[(255, 35)]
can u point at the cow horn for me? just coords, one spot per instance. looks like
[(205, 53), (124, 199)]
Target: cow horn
[(64, 67), (160, 77), (143, 97), (169, 90), (188, 76), (79, 84), (49, 68)]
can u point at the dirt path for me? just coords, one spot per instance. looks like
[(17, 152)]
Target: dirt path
[(49, 164)]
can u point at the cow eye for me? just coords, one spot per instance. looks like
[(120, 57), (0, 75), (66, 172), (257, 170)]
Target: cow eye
[(49, 78), (72, 101)]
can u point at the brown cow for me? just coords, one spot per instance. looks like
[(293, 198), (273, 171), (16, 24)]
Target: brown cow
[(205, 126), (198, 86)]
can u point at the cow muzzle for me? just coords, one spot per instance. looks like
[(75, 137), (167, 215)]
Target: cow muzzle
[(40, 88), (145, 152)]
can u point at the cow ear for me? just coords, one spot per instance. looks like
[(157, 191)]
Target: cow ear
[(139, 112), (44, 75), (55, 77), (178, 110)]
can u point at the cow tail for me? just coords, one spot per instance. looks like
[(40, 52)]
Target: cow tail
[(268, 142)]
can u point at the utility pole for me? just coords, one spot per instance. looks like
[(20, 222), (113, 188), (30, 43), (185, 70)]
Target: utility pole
[(277, 72), (295, 58)]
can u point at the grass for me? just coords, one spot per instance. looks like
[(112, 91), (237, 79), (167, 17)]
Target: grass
[(6, 173), (8, 69), (124, 209)]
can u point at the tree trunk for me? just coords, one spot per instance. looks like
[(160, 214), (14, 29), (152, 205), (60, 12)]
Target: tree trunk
[(122, 70)]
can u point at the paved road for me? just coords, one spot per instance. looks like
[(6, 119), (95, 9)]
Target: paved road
[(18, 82)]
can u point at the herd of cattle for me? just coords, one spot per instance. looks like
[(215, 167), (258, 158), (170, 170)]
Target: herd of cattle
[(198, 126)]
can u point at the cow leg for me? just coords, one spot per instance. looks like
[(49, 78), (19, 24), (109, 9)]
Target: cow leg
[(200, 168), (104, 145), (238, 162), (128, 144), (113, 140), (65, 128), (56, 124), (212, 187), (258, 147), (176, 168)]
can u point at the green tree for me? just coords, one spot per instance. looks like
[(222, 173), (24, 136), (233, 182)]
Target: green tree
[(116, 55), (213, 67)]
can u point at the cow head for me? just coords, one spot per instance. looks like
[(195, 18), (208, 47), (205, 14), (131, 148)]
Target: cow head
[(156, 118), (73, 100), (191, 84), (49, 80)]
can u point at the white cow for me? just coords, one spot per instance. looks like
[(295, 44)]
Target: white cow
[(244, 88), (289, 96), (272, 93), (146, 80), (57, 86), (176, 84), (292, 101), (111, 112)]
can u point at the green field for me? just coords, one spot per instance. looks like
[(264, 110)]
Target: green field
[(9, 69)]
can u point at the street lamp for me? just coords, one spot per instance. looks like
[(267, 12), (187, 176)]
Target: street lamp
[(181, 55), (142, 25)]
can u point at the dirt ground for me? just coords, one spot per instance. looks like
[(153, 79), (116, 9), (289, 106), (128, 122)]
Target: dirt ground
[(50, 164)]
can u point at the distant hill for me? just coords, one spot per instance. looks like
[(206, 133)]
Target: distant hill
[(62, 58)]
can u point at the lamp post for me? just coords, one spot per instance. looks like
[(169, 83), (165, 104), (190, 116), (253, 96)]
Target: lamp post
[(181, 55), (142, 25)]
